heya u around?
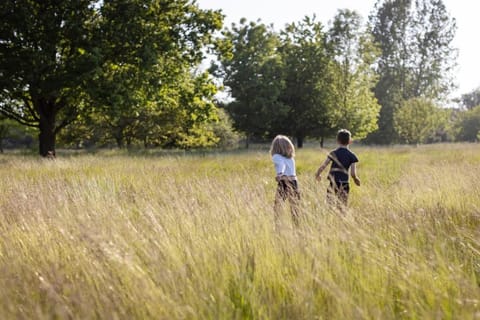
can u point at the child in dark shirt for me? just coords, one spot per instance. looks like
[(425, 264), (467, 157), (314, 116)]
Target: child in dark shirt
[(342, 160)]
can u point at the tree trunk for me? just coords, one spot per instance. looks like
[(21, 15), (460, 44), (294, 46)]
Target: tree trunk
[(321, 142), (299, 142), (119, 138), (120, 144), (3, 134), (247, 141), (47, 135)]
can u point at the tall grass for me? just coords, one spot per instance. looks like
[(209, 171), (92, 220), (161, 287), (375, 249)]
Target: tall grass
[(193, 237)]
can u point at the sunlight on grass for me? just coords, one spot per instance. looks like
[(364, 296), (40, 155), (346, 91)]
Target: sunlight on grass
[(175, 237)]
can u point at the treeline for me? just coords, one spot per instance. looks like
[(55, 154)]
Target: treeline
[(128, 72), (304, 81), (379, 78)]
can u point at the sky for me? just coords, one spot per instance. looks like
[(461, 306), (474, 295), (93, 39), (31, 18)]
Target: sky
[(280, 12)]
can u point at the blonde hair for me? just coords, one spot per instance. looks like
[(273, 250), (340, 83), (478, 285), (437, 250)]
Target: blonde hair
[(282, 145)]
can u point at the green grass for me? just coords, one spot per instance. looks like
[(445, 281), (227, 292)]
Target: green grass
[(116, 236)]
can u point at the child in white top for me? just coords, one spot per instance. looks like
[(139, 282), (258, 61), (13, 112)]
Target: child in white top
[(283, 153)]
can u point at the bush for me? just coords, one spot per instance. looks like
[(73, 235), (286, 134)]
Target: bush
[(223, 129), (468, 125), (419, 120)]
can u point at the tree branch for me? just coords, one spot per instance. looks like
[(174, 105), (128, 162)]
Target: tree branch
[(65, 123), (69, 117), (22, 120), (32, 111)]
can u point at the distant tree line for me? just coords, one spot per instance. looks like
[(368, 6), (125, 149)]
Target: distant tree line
[(303, 81), (127, 72), (308, 81)]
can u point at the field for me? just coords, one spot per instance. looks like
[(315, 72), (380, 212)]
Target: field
[(121, 236)]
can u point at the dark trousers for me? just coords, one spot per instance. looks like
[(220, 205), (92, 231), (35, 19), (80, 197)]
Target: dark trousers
[(337, 192), (287, 190)]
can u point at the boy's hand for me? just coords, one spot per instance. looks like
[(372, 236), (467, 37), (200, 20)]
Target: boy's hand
[(318, 177), (357, 181)]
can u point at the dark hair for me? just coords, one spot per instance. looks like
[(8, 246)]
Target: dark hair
[(344, 136)]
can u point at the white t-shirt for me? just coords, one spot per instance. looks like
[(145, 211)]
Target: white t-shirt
[(283, 165)]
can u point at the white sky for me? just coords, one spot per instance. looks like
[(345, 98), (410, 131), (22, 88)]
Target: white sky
[(280, 12)]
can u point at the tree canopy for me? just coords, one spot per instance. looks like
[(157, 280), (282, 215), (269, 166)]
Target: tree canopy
[(470, 99), (299, 81), (417, 57), (59, 59), (251, 67), (354, 55)]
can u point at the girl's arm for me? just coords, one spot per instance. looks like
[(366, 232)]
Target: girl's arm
[(279, 167), (322, 167), (353, 173)]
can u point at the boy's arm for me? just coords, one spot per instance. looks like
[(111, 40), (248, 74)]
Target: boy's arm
[(322, 167), (353, 173)]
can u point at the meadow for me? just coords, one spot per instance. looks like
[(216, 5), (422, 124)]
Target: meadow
[(123, 236)]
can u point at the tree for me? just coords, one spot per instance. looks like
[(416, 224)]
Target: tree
[(415, 38), (223, 129), (468, 125), (470, 100), (141, 87), (189, 121), (60, 59), (432, 57), (309, 77), (300, 82), (355, 54), (46, 54), (251, 68), (417, 120), (389, 28), (180, 116), (86, 131)]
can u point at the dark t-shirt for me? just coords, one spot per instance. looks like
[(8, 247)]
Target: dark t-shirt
[(341, 158)]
